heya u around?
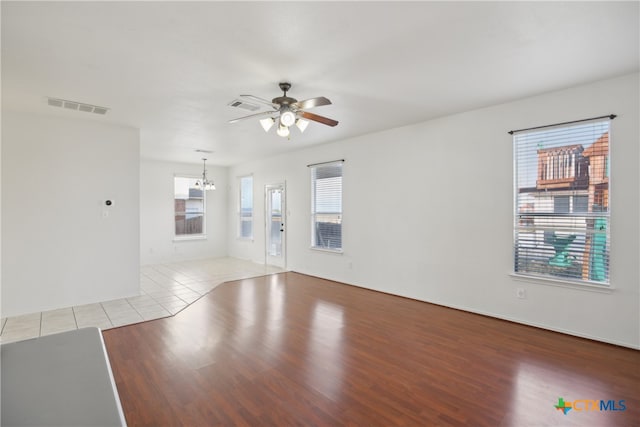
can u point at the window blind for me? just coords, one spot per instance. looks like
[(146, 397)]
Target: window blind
[(326, 206), (561, 192)]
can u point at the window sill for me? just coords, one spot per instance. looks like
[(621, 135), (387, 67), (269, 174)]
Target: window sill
[(589, 287), (331, 251), (189, 238)]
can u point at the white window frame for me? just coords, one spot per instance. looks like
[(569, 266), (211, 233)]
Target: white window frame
[(242, 219), (337, 214), (539, 227), (198, 236)]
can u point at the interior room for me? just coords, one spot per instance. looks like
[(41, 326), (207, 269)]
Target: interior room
[(282, 213)]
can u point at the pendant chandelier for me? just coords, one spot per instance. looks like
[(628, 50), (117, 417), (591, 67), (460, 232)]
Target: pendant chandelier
[(205, 184)]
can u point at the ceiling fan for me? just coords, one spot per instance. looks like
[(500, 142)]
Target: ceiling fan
[(288, 111)]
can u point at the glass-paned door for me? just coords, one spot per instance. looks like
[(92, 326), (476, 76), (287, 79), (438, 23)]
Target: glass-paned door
[(275, 225)]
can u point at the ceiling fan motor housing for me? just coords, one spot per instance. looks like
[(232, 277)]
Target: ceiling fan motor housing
[(284, 100)]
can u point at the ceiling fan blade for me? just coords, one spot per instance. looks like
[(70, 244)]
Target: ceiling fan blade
[(311, 102), (261, 100), (317, 118), (264, 113)]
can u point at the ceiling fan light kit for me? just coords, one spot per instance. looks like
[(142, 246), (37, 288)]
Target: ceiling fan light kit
[(267, 123), (302, 124), (287, 118), (287, 112), (283, 131)]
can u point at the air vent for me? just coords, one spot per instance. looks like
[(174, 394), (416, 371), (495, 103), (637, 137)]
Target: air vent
[(71, 105), (55, 102), (202, 150), (238, 103), (78, 106)]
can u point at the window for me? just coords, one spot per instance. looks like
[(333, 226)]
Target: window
[(245, 208), (561, 204), (326, 206), (580, 203), (561, 227), (189, 205)]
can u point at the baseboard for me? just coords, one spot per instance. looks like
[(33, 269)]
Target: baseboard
[(495, 316), (543, 326)]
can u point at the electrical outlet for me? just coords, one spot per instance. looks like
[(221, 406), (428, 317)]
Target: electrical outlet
[(521, 293)]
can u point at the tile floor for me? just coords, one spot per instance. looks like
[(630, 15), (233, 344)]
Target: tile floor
[(165, 290)]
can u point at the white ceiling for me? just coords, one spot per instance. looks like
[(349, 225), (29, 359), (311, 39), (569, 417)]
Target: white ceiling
[(171, 68)]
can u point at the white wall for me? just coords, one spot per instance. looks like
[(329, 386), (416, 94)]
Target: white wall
[(58, 249), (428, 213), (157, 243)]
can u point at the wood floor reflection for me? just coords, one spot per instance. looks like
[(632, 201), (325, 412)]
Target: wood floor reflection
[(290, 349)]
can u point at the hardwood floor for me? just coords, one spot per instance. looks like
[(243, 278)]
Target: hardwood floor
[(290, 349)]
